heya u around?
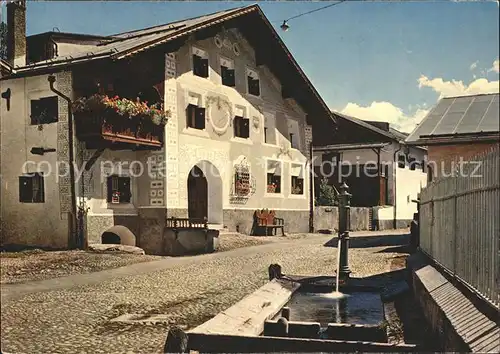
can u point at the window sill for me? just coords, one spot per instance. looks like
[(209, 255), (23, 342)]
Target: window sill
[(271, 145), (297, 196), (119, 205), (247, 141), (273, 195), (196, 132)]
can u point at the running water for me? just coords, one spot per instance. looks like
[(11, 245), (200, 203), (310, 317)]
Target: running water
[(337, 293)]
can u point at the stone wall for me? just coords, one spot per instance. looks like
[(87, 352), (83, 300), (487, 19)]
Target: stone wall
[(241, 220), (327, 219)]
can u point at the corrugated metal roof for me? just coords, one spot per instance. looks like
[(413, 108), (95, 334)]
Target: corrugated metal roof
[(460, 115), (131, 40)]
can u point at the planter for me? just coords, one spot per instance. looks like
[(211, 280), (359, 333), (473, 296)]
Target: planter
[(113, 128)]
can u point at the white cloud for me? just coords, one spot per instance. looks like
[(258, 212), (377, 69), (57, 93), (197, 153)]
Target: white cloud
[(474, 65), (458, 88), (496, 66), (386, 112)]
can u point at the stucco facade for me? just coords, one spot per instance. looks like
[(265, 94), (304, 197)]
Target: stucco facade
[(403, 183), (159, 179), (44, 224)]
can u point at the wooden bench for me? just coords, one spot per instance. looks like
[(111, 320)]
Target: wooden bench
[(186, 223), (266, 220)]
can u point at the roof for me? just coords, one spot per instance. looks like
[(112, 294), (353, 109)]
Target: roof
[(344, 147), (5, 66), (122, 44), (464, 118), (252, 19)]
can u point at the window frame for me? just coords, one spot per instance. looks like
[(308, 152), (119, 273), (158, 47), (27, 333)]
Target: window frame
[(269, 178), (247, 81), (222, 67), (191, 117), (31, 196), (193, 64), (237, 129), (39, 120), (109, 192)]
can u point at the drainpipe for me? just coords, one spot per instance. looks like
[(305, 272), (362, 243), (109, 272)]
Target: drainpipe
[(394, 172), (73, 240)]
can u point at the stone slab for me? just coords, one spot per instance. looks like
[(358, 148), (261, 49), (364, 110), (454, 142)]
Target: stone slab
[(247, 317), (223, 343)]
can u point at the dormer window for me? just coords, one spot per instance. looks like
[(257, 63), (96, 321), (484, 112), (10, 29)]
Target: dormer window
[(227, 72), (253, 82), (200, 62)]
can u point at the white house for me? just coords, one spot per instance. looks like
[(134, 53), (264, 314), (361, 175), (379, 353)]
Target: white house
[(381, 170), (240, 118)]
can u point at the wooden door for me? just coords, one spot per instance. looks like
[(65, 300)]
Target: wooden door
[(197, 194)]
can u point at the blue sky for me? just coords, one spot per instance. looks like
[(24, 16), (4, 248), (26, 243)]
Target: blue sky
[(374, 60)]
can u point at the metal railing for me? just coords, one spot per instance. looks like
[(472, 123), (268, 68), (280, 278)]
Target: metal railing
[(460, 224)]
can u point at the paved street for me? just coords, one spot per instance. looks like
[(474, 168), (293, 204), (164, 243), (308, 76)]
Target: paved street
[(72, 314)]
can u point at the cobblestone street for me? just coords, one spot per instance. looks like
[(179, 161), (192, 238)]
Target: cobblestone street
[(72, 314)]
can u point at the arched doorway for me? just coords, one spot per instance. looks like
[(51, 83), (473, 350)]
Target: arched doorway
[(204, 187), (197, 194)]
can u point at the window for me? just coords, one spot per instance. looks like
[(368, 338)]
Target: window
[(292, 141), (31, 188), (273, 177), (44, 110), (242, 181), (269, 129), (227, 72), (241, 127), (401, 161), (413, 163), (253, 82), (119, 190), (195, 117), (200, 62), (297, 183)]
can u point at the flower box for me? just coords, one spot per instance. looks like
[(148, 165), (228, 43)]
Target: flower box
[(119, 120)]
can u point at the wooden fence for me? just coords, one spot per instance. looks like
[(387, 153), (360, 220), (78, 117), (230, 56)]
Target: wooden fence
[(460, 224)]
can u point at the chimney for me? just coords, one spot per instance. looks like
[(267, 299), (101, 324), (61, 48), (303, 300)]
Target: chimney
[(16, 32)]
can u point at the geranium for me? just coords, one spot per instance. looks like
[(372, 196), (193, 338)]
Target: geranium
[(122, 106)]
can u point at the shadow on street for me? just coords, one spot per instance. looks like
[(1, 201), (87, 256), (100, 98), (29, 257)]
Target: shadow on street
[(397, 241)]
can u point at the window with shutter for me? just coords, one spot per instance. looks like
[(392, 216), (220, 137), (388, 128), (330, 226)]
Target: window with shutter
[(200, 63), (241, 127), (119, 190), (31, 188), (44, 110), (195, 117)]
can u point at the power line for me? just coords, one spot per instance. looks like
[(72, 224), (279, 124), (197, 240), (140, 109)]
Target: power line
[(318, 9)]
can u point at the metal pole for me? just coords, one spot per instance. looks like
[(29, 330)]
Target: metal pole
[(311, 189), (344, 226)]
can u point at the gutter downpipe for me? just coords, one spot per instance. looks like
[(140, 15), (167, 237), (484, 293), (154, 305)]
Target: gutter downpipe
[(394, 171), (73, 238)]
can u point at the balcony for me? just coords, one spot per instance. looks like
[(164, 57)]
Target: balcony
[(119, 124)]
